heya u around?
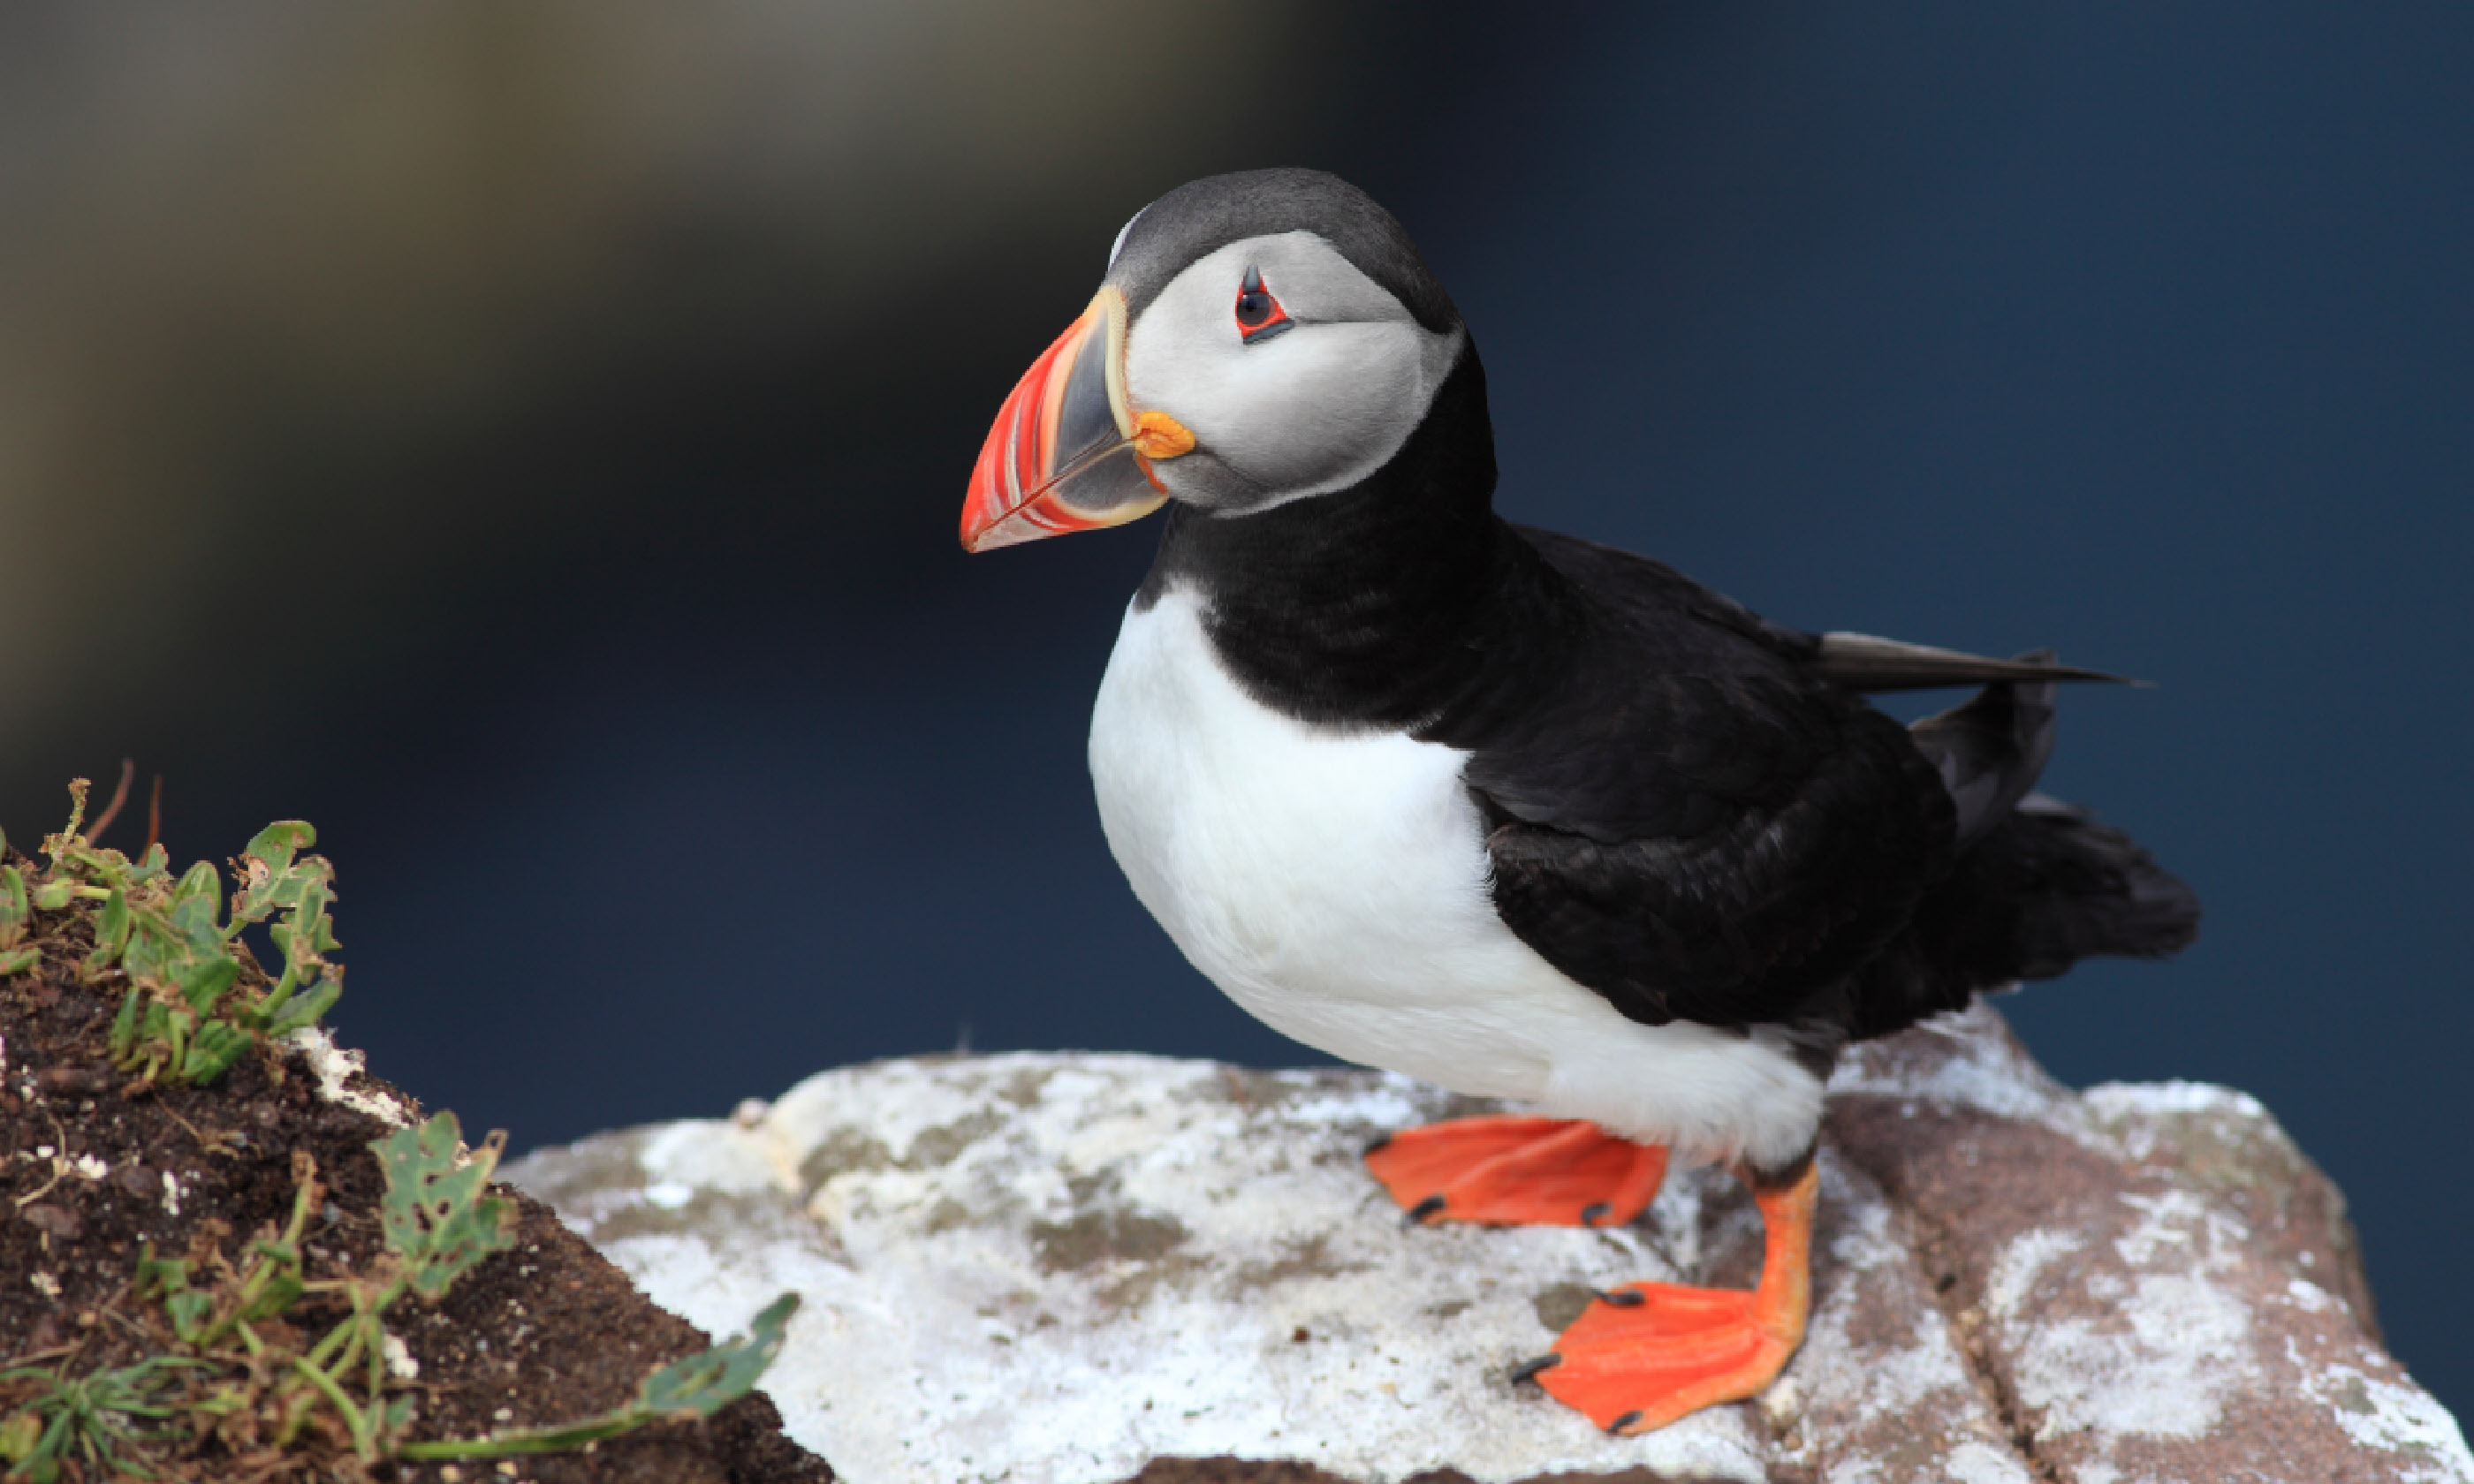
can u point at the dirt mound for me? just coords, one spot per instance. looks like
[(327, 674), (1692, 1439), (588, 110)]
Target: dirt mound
[(100, 1168)]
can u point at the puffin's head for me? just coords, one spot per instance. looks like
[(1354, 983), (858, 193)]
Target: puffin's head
[(1259, 338)]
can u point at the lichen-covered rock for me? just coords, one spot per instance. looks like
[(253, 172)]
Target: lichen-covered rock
[(2157, 1285), (1069, 1268)]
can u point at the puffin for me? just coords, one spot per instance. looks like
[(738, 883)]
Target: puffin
[(1505, 810)]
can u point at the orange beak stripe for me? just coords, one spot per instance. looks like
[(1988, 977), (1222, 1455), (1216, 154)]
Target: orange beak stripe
[(1065, 452), (1013, 462)]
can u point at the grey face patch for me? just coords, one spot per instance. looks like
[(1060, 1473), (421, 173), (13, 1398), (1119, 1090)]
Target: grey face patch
[(1202, 216), (1282, 418)]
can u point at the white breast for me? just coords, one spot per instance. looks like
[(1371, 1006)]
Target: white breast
[(1334, 884)]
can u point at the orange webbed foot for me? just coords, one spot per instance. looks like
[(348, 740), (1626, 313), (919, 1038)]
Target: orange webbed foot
[(1648, 1354), (1518, 1171)]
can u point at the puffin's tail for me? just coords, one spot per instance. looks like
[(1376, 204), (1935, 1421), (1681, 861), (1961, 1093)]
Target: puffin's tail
[(2037, 886)]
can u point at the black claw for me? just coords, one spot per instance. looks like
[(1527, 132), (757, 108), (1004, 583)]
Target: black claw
[(1594, 1212), (1425, 1208), (1527, 1370), (1378, 1146), (1615, 1429), (1622, 1298)]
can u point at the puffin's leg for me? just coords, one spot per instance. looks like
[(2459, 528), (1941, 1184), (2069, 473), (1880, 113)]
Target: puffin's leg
[(1648, 1353), (1562, 1172)]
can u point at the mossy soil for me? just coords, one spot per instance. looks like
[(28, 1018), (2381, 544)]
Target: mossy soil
[(93, 1168)]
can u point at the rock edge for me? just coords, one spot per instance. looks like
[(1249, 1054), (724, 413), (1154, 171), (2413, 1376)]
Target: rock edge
[(1075, 1268)]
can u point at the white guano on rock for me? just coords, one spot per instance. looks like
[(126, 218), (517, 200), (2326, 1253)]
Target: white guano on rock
[(1054, 1269)]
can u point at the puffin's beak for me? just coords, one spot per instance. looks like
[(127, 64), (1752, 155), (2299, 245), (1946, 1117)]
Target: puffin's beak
[(1066, 452)]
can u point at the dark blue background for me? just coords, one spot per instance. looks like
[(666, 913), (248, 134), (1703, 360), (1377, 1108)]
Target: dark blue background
[(698, 759)]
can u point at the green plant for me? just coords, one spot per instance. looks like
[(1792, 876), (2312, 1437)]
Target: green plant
[(16, 912), (436, 1220), (698, 1387), (186, 1017), (233, 1361), (210, 1316), (437, 1224), (87, 1418)]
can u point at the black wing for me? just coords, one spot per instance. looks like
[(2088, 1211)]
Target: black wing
[(1696, 823)]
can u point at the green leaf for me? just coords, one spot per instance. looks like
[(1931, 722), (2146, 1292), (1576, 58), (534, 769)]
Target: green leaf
[(88, 1419), (111, 931), (283, 1289), (277, 841), (433, 1215), (192, 920), (154, 1023), (19, 1435), (306, 931), (703, 1384), (699, 1386), (270, 877), (53, 896), (212, 1051), (191, 1311), (151, 957), (16, 961), (167, 1275), (201, 880), (306, 1010), (13, 910), (124, 1026), (203, 982)]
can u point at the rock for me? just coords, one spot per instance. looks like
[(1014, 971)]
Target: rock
[(2158, 1283), (1074, 1268)]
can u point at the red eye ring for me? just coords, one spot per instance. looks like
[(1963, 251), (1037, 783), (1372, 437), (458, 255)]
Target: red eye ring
[(1259, 314)]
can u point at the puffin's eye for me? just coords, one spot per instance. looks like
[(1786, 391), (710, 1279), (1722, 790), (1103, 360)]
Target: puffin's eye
[(1259, 316)]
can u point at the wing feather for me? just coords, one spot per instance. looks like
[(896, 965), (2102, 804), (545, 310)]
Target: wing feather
[(1695, 824)]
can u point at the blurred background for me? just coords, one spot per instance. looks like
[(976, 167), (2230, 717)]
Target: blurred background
[(526, 440)]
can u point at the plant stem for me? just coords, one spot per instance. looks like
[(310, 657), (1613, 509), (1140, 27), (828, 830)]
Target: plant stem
[(343, 1404), (548, 1440), (281, 994)]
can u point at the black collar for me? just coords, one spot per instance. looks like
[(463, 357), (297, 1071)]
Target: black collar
[(1401, 602)]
